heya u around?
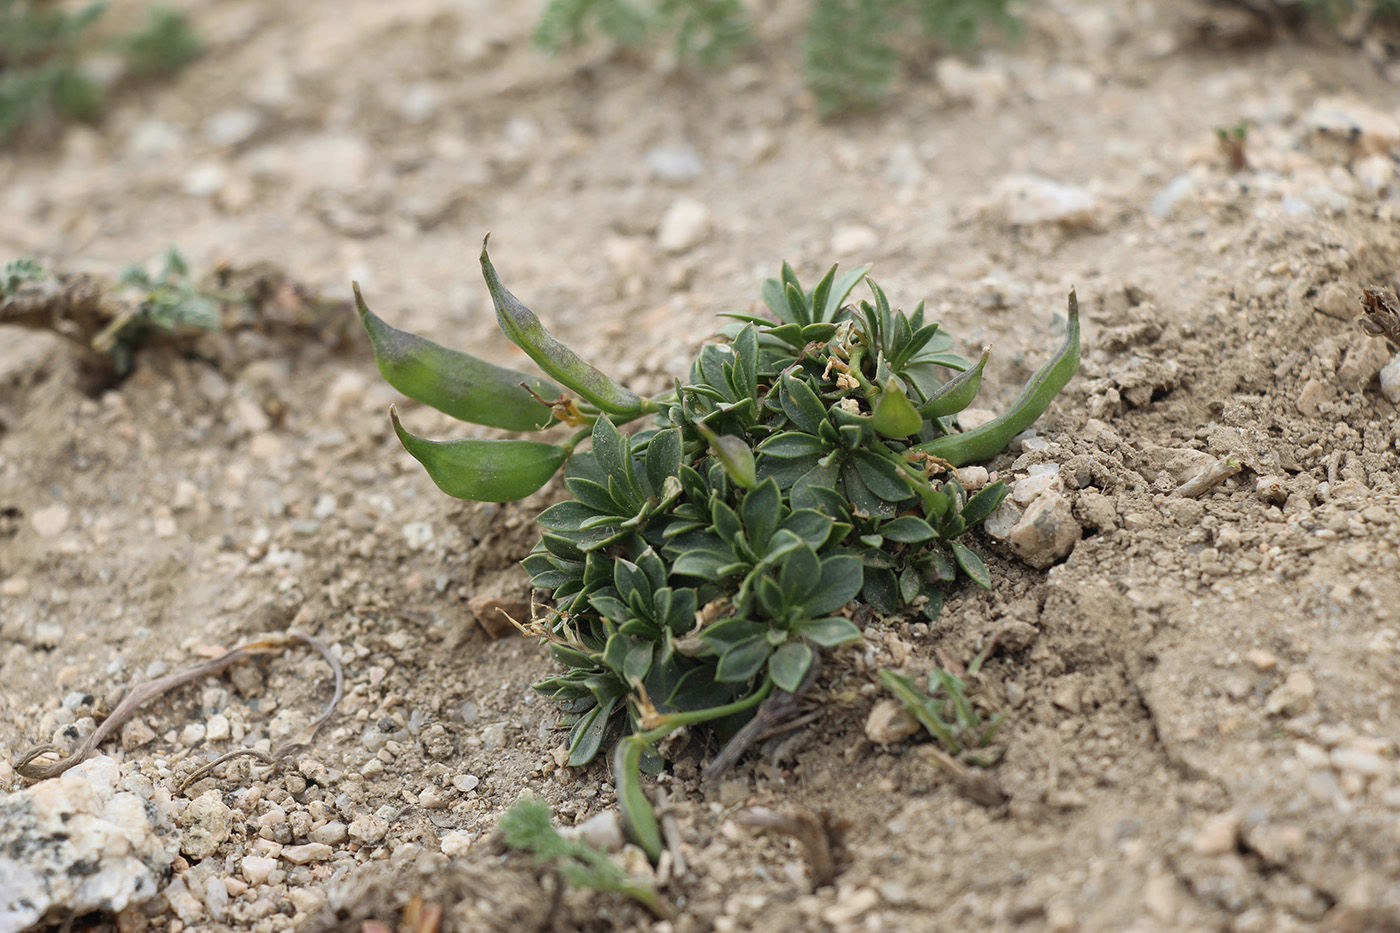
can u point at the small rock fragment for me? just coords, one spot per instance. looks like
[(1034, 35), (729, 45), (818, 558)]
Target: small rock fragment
[(684, 226), (890, 723), (1390, 381), (332, 834), (1311, 397), (311, 852), (1294, 696), (1361, 363), (494, 614), (1046, 533), (205, 825), (1026, 200), (257, 868), (1218, 835), (601, 831), (457, 843), (75, 844), (368, 829), (50, 521)]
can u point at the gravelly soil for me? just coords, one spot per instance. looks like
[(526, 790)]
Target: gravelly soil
[(1203, 697)]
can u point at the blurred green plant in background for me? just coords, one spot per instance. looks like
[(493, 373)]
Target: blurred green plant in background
[(45, 49)]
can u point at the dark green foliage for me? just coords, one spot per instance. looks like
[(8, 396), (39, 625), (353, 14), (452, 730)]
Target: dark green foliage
[(163, 46), (1335, 9), (708, 559), (850, 52)]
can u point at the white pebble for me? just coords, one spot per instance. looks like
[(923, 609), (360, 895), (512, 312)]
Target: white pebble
[(684, 226), (256, 868)]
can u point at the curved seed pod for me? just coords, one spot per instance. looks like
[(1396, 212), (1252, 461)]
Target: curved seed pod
[(894, 415), (524, 329), (638, 817), (456, 383), (957, 393), (984, 442), (484, 470)]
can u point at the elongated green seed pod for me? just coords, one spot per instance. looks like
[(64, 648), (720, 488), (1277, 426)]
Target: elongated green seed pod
[(524, 329), (484, 470), (957, 393), (453, 382), (985, 441), (638, 817)]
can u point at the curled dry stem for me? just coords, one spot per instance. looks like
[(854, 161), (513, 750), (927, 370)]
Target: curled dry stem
[(144, 693), (819, 838)]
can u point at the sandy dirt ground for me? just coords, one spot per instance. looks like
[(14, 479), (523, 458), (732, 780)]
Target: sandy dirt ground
[(1202, 697)]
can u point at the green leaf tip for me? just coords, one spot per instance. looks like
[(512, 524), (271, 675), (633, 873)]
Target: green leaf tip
[(453, 382), (483, 470), (524, 329)]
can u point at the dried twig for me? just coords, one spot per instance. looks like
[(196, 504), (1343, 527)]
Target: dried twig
[(1206, 480), (820, 839), (144, 693), (774, 712)]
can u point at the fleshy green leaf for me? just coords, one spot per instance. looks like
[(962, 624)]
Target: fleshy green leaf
[(734, 455), (840, 581), (789, 664), (987, 440), (456, 383), (791, 444), (983, 503), (524, 329), (801, 404), (743, 660), (829, 632), (972, 564), (957, 393), (484, 470), (907, 530)]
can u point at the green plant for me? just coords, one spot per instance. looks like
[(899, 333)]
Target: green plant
[(42, 45), (167, 303), (850, 48), (948, 714), (1335, 9), (19, 271), (39, 47), (526, 826), (163, 46), (705, 560)]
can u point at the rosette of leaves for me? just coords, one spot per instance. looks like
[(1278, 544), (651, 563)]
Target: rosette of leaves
[(705, 560)]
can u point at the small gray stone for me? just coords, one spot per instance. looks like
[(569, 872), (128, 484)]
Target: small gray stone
[(674, 163)]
